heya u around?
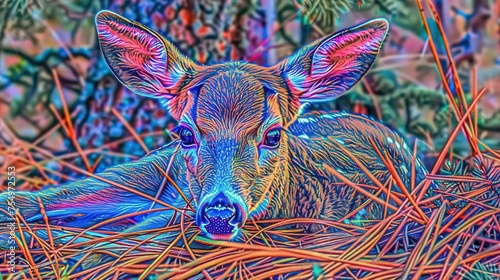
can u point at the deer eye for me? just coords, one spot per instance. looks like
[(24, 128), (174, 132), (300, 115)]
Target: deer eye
[(272, 138), (187, 137)]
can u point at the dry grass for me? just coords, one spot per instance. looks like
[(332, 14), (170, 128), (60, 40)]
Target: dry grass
[(453, 234)]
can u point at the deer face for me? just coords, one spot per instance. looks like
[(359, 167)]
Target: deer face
[(233, 142), (233, 116)]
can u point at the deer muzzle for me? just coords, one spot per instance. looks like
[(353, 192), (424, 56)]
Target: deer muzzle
[(221, 216)]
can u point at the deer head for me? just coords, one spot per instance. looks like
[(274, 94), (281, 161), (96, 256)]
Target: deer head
[(233, 116)]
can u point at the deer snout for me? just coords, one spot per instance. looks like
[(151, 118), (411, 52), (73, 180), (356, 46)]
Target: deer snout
[(221, 216)]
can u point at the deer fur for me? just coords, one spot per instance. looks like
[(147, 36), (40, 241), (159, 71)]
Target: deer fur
[(325, 166)]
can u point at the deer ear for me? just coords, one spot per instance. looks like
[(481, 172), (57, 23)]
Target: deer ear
[(329, 67), (139, 57)]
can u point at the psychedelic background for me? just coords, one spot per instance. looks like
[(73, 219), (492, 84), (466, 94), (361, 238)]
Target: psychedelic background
[(62, 110)]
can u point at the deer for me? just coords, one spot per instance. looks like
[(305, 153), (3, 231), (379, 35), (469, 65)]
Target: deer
[(244, 149)]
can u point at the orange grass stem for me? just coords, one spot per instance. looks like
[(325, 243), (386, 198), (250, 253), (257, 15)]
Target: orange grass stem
[(449, 94), (466, 246), (130, 129), (51, 240), (159, 259), (25, 248), (71, 131), (453, 135), (175, 186)]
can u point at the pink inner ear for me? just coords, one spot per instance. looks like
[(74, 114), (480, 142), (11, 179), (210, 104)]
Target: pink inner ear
[(341, 60), (136, 55), (348, 50)]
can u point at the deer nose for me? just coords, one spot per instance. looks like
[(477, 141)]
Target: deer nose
[(220, 217)]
